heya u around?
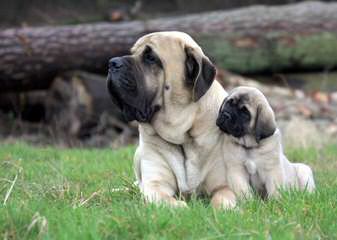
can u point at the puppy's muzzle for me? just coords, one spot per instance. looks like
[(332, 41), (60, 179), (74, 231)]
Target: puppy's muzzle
[(227, 122), (222, 119)]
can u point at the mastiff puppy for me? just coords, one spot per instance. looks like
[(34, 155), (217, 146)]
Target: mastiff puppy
[(168, 86), (256, 155)]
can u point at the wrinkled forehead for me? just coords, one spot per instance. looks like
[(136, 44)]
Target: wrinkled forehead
[(248, 96), (243, 96), (164, 43)]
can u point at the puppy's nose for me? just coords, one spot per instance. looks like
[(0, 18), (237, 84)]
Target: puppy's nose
[(115, 64), (226, 116)]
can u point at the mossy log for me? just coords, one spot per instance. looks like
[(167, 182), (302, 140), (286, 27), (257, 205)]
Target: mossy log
[(249, 40)]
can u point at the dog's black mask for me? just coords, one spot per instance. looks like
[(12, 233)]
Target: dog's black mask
[(126, 85), (233, 118)]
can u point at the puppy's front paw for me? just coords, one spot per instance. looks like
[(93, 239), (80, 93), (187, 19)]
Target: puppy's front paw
[(276, 194), (179, 204), (242, 190), (224, 204), (305, 177)]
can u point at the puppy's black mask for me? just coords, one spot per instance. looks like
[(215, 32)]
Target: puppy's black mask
[(127, 87), (233, 118)]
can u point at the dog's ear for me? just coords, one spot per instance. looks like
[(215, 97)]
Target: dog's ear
[(265, 124), (200, 73)]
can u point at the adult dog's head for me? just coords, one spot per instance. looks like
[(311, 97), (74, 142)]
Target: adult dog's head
[(164, 68), (246, 112)]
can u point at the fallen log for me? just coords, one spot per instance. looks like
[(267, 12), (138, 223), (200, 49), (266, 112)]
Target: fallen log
[(248, 40)]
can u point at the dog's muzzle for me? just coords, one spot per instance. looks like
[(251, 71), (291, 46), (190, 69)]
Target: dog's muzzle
[(115, 65), (122, 87)]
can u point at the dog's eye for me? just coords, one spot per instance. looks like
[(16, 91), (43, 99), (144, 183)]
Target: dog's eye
[(148, 56)]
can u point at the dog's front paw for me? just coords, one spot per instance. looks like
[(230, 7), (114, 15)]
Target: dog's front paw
[(223, 199)]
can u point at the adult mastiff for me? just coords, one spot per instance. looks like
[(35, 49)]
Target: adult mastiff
[(168, 86)]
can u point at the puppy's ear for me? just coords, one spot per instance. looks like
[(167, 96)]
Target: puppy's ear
[(200, 73), (265, 124)]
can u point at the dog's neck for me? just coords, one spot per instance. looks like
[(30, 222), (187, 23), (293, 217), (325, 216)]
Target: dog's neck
[(179, 124), (209, 105), (247, 142)]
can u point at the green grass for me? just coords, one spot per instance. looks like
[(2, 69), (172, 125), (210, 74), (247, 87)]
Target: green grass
[(67, 194)]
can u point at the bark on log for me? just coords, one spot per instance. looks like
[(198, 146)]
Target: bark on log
[(249, 40)]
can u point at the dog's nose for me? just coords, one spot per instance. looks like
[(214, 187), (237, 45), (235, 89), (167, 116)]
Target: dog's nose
[(115, 64)]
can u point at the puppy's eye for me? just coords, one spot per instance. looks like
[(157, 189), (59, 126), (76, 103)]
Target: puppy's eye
[(244, 110), (231, 102)]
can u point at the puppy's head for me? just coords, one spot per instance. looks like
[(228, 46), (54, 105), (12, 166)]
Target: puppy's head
[(246, 111), (164, 68)]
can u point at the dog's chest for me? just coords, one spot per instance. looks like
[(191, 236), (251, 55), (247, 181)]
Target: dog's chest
[(196, 158)]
